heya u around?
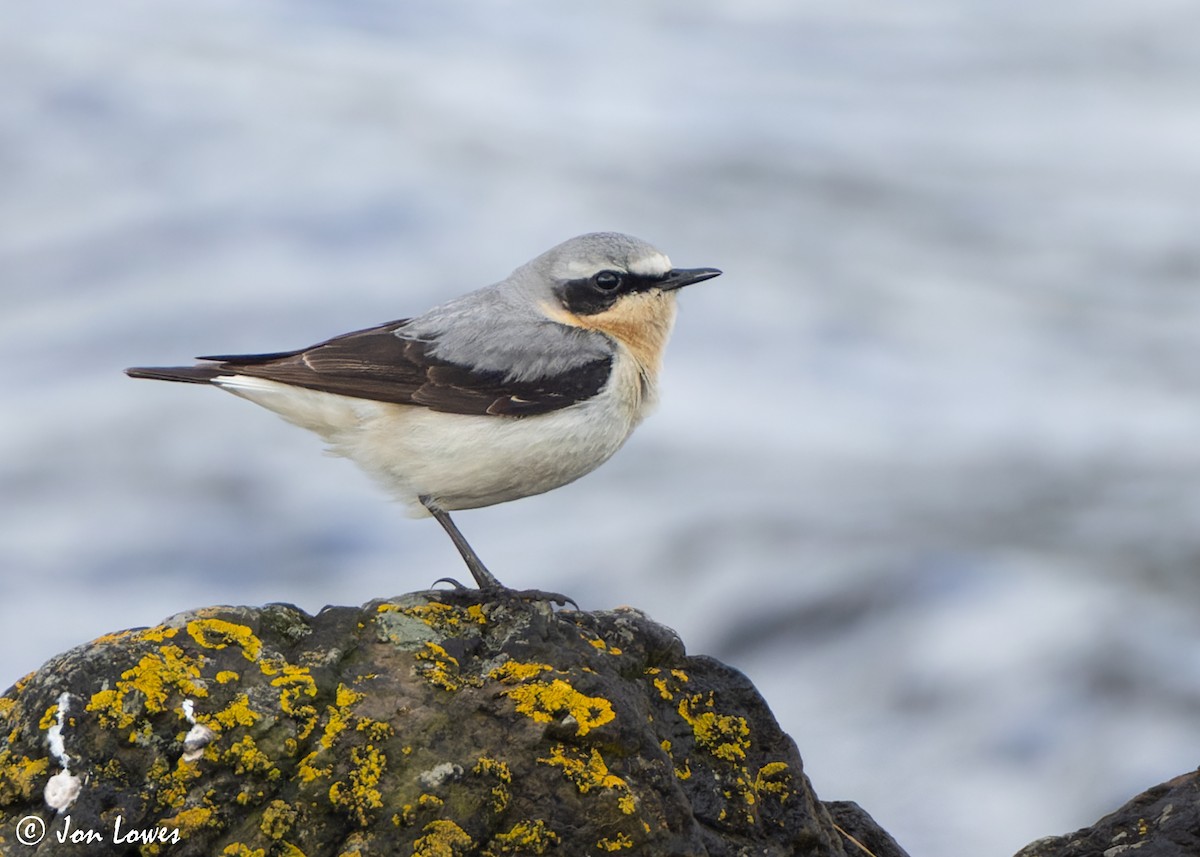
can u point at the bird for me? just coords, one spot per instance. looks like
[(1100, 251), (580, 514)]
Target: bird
[(505, 392)]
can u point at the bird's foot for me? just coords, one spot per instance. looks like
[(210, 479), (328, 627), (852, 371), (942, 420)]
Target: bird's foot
[(556, 598), (498, 593), (490, 589)]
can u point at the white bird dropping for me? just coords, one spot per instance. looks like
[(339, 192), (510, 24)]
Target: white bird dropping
[(198, 737), (63, 788)]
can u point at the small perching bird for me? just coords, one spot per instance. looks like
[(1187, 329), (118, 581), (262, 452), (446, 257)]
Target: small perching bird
[(505, 392)]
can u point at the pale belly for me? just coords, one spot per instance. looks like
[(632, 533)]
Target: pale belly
[(463, 461)]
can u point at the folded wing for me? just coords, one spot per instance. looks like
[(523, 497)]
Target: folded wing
[(378, 364)]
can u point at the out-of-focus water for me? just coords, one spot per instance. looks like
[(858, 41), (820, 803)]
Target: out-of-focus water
[(926, 466)]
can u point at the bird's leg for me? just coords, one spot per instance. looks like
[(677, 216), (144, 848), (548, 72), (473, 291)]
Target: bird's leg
[(484, 578), (486, 581)]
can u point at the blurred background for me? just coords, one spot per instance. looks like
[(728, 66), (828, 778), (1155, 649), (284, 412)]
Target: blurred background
[(927, 463)]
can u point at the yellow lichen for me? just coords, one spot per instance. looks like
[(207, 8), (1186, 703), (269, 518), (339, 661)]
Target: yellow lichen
[(524, 837), (375, 730), (308, 772), (172, 784), (114, 637), (602, 645), (294, 683), (339, 715), (725, 736), (744, 790), (590, 772), (440, 617), (155, 677), (360, 795), (188, 821), (443, 838), (668, 684), (113, 771), (237, 713), (428, 801), (683, 770), (338, 719), (217, 634), (238, 849), (19, 776), (157, 634), (111, 706), (439, 667), (345, 696), (617, 843), (246, 758), (6, 706), (774, 778), (544, 702), (746, 793), (226, 676), (500, 770), (277, 819), (511, 672), (49, 717)]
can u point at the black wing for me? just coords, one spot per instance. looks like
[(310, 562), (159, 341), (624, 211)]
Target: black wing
[(376, 364)]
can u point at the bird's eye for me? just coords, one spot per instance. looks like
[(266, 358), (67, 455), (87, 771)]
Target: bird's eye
[(607, 281)]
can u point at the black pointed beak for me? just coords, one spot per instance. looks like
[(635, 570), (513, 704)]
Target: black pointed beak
[(677, 278)]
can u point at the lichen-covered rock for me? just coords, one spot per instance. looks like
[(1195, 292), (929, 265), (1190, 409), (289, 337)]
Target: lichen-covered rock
[(1161, 822), (434, 724)]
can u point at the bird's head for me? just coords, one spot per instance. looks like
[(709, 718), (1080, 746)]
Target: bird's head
[(615, 284), (604, 272)]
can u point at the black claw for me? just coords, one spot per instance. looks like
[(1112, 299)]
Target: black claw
[(539, 595), (456, 584)]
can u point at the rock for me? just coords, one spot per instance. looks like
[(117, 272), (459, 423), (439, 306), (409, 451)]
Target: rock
[(432, 724), (1161, 822)]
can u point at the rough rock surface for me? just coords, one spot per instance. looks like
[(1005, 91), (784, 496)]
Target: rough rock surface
[(432, 724), (1161, 822)]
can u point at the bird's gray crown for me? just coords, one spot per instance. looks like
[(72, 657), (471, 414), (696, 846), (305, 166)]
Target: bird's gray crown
[(503, 328), (589, 254)]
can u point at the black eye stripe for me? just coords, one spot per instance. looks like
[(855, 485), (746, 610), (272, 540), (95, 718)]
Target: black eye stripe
[(588, 295), (628, 282)]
